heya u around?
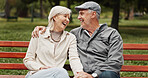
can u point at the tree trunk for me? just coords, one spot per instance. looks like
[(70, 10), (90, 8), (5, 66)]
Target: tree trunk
[(23, 12), (131, 13), (57, 2), (41, 8), (115, 18), (7, 9), (68, 6)]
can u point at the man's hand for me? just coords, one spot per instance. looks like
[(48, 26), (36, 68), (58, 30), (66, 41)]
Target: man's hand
[(44, 67), (83, 75), (35, 32)]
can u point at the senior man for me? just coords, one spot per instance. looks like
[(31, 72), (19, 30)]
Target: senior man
[(100, 47)]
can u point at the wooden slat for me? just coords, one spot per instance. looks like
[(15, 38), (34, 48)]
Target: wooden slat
[(22, 55), (16, 66), (125, 68), (134, 68), (12, 54), (23, 76), (127, 46), (135, 57), (14, 43), (12, 76)]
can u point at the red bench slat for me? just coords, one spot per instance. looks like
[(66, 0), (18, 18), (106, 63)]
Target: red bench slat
[(14, 43), (125, 68), (17, 66), (22, 55), (134, 68), (23, 76), (127, 46), (135, 57), (12, 54), (12, 76)]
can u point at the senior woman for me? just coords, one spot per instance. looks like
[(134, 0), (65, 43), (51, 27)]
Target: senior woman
[(46, 55)]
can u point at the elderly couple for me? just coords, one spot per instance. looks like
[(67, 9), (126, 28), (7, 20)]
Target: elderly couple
[(94, 50)]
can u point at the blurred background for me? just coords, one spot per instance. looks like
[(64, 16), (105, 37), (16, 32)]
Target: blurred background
[(19, 17)]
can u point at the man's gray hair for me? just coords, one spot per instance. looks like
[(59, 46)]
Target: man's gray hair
[(55, 11), (98, 16)]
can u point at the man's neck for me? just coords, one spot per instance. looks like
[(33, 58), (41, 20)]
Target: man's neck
[(93, 26)]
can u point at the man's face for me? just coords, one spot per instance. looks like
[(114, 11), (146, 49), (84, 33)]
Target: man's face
[(84, 17)]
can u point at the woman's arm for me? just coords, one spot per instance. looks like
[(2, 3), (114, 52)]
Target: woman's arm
[(73, 56), (29, 59)]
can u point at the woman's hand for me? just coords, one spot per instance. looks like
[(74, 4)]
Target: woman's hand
[(83, 75), (35, 32), (44, 67)]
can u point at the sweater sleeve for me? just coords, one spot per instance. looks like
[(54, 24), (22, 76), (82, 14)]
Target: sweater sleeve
[(73, 56), (29, 59)]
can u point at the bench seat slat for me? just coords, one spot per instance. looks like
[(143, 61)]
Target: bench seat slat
[(14, 43), (12, 76), (125, 68), (134, 68), (23, 76), (17, 66), (127, 46), (12, 54), (137, 57), (22, 55)]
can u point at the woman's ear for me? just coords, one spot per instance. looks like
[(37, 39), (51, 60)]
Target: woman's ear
[(54, 18)]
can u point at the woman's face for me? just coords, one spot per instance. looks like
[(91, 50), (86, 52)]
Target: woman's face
[(60, 22)]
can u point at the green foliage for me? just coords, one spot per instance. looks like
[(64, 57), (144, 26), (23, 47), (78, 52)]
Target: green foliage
[(2, 5)]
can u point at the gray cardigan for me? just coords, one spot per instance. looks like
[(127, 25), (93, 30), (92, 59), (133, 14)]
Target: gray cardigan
[(100, 52)]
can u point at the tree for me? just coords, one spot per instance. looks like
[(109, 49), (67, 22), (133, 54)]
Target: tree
[(7, 9), (55, 2), (41, 8), (128, 8), (115, 5), (115, 17), (23, 10)]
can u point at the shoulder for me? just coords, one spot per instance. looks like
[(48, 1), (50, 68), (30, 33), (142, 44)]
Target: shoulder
[(70, 35), (110, 30), (75, 30)]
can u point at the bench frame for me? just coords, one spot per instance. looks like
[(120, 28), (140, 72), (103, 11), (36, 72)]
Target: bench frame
[(18, 66), (10, 18)]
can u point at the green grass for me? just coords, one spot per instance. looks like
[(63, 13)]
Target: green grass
[(132, 31)]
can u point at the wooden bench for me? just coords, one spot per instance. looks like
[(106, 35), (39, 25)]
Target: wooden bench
[(18, 66), (12, 18)]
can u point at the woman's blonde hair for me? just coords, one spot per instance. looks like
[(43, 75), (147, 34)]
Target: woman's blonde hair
[(55, 11)]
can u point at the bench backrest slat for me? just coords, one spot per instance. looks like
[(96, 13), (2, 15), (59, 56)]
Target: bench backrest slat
[(137, 57), (125, 68), (14, 43), (127, 46), (22, 55), (12, 54), (12, 66)]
